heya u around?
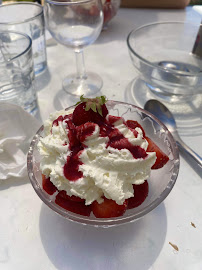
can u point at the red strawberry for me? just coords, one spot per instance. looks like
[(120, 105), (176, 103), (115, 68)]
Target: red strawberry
[(73, 206), (48, 185), (140, 194), (64, 195), (108, 209), (161, 157), (134, 124), (90, 110)]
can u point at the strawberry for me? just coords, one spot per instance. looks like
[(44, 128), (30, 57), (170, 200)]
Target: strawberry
[(90, 110), (77, 207), (134, 124), (108, 209), (140, 194), (161, 157), (64, 195), (48, 185)]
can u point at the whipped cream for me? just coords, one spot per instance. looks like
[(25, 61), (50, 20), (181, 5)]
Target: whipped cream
[(105, 170)]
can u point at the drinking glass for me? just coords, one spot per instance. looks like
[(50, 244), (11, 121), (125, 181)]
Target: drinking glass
[(76, 24), (16, 71), (27, 18)]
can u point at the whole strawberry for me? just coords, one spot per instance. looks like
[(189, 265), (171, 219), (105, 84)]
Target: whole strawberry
[(90, 110)]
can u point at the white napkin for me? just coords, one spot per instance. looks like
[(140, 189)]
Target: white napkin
[(17, 128)]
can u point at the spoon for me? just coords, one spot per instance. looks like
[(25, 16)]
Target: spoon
[(165, 116)]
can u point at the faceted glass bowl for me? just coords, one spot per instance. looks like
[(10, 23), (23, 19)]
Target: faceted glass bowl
[(161, 181), (167, 60)]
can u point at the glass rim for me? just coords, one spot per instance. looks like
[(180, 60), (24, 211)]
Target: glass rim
[(108, 222), (25, 20), (68, 3), (25, 50), (178, 72)]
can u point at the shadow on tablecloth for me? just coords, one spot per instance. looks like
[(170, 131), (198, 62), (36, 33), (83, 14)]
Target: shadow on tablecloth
[(73, 246)]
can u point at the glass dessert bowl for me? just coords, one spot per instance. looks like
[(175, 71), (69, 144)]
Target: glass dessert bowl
[(170, 71), (110, 8), (161, 181)]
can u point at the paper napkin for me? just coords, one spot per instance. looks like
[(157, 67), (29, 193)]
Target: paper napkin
[(17, 128)]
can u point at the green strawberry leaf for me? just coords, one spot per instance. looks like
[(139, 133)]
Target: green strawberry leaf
[(93, 107), (99, 109), (93, 103), (103, 100), (87, 106)]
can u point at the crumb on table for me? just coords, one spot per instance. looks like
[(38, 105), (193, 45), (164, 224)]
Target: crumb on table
[(193, 225), (174, 246)]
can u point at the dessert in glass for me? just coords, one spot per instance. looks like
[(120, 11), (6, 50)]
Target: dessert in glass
[(110, 8), (98, 163)]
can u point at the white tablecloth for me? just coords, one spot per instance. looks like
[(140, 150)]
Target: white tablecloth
[(34, 237)]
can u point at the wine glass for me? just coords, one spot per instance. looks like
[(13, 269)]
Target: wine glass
[(76, 24)]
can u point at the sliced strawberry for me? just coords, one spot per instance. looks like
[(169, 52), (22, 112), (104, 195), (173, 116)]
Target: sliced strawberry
[(161, 157), (140, 194), (108, 209), (64, 195), (90, 110), (48, 185), (134, 124), (72, 206)]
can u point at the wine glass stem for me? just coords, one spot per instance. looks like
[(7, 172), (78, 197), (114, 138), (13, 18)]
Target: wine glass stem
[(80, 66)]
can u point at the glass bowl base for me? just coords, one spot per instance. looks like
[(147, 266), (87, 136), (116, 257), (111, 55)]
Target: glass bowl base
[(87, 86), (187, 113), (166, 96)]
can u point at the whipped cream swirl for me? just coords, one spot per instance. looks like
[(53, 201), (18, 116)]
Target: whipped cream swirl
[(105, 170)]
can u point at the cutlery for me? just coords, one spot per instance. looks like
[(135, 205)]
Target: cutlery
[(164, 115)]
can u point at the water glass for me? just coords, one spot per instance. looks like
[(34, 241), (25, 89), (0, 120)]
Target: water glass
[(16, 71), (27, 18)]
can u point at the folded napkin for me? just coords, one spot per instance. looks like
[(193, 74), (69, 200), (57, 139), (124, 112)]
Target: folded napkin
[(17, 128)]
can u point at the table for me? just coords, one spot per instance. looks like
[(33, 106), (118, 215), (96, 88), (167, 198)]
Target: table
[(33, 237)]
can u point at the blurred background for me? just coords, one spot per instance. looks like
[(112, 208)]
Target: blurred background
[(138, 3)]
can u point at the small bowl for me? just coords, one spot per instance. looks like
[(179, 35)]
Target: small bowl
[(163, 55), (161, 181), (110, 8)]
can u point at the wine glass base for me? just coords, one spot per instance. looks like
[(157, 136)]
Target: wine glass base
[(88, 86)]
